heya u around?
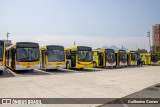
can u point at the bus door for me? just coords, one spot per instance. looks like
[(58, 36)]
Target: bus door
[(73, 58), (100, 57), (13, 58), (116, 55), (43, 58), (129, 55)]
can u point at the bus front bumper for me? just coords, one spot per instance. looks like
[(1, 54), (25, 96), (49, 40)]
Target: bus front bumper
[(30, 67), (84, 65), (111, 64), (154, 62), (122, 64), (1, 68), (133, 63), (55, 66)]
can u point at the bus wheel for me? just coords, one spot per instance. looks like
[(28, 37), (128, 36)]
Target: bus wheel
[(1, 72), (143, 63), (94, 64), (67, 65)]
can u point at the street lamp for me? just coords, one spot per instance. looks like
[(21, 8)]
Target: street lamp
[(7, 36), (148, 35)]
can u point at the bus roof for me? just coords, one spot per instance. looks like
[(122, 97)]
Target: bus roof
[(75, 47), (102, 50), (145, 54), (44, 47)]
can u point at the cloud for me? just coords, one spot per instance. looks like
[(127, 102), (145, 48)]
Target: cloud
[(94, 41)]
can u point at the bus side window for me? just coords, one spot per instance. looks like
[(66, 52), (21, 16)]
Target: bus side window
[(94, 53)]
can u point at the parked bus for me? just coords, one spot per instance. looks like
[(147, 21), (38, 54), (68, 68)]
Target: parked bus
[(2, 56), (121, 57), (104, 58), (23, 56), (154, 58), (146, 58), (149, 58), (79, 57), (52, 57), (132, 57)]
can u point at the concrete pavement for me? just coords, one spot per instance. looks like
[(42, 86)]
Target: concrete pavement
[(105, 83)]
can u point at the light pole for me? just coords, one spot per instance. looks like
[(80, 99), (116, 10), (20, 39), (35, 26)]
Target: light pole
[(148, 35), (7, 36)]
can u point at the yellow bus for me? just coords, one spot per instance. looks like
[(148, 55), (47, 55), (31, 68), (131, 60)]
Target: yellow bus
[(154, 58), (132, 57), (146, 58), (52, 57), (79, 57), (104, 58), (121, 57), (23, 56), (2, 56)]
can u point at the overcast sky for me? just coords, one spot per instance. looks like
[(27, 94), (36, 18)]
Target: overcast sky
[(93, 23)]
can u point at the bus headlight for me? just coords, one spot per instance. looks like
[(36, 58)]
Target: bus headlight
[(49, 64), (17, 63)]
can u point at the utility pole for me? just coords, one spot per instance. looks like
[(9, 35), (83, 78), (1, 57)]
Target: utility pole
[(148, 35), (7, 36)]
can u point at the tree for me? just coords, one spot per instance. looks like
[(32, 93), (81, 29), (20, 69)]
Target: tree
[(156, 50), (142, 50)]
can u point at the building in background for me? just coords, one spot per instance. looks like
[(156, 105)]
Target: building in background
[(156, 35)]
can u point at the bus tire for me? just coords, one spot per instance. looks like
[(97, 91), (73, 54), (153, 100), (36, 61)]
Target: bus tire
[(94, 65), (143, 63), (1, 72), (67, 65)]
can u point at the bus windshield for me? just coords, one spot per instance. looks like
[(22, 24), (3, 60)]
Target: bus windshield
[(55, 55), (134, 56), (1, 53), (110, 55), (123, 55), (27, 54), (85, 56), (154, 58)]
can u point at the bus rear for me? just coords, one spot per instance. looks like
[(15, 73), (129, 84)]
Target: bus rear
[(27, 56), (2, 55), (53, 57), (146, 58)]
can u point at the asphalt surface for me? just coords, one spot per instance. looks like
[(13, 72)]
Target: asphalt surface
[(150, 92)]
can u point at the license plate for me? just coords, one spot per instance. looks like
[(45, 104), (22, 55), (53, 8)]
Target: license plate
[(59, 63), (28, 66)]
